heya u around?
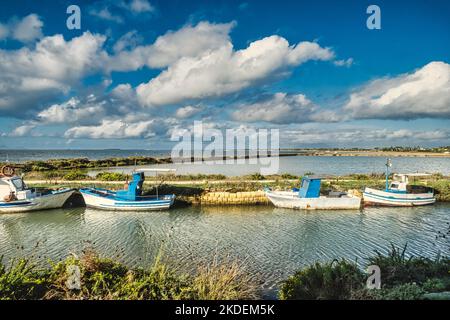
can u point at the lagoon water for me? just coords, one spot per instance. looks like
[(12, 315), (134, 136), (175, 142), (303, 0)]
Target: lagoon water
[(270, 243), (297, 165), (323, 165)]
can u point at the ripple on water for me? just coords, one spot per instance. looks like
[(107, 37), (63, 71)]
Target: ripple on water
[(270, 243)]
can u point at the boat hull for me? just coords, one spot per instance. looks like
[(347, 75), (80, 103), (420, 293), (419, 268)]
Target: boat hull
[(49, 201), (290, 200), (99, 202), (374, 197)]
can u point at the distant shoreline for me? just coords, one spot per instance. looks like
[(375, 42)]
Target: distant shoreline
[(162, 158), (372, 153)]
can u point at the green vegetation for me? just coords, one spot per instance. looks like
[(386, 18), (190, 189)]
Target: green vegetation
[(112, 176), (85, 163), (415, 149), (106, 279), (401, 278), (334, 280), (75, 175), (256, 176)]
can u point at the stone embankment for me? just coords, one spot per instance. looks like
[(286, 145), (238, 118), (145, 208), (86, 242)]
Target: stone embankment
[(226, 198)]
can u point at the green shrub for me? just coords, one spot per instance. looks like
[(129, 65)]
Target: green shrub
[(75, 175), (335, 280), (256, 176), (288, 176), (408, 291), (21, 281), (396, 268), (112, 176), (437, 284), (106, 279)]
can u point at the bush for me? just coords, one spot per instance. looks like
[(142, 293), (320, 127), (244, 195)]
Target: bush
[(288, 176), (335, 280), (112, 176), (75, 175), (21, 281), (106, 279), (397, 269), (256, 176), (408, 291)]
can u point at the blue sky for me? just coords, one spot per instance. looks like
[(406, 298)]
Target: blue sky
[(139, 72)]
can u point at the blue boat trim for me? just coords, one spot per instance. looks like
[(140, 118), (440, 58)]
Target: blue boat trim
[(12, 204), (397, 199)]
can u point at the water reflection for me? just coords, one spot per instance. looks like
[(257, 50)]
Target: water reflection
[(270, 242)]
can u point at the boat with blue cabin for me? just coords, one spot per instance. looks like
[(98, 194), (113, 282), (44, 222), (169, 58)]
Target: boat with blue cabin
[(399, 193), (16, 196), (308, 197), (129, 199)]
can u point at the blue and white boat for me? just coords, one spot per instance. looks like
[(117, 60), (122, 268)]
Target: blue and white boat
[(308, 197), (130, 199), (399, 193), (15, 196)]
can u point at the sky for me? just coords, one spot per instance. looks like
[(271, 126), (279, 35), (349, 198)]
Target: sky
[(138, 73)]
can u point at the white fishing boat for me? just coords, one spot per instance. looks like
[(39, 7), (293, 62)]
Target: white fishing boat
[(130, 199), (399, 192), (15, 196), (308, 197)]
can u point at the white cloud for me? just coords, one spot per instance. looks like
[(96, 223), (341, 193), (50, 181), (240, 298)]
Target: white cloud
[(189, 41), (223, 71), (25, 30), (187, 111), (105, 14), (420, 94), (29, 77), (280, 108), (28, 29), (367, 136), (128, 41), (74, 111), (21, 131), (344, 63), (115, 129), (139, 6)]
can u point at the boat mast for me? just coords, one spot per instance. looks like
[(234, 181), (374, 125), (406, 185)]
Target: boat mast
[(388, 165)]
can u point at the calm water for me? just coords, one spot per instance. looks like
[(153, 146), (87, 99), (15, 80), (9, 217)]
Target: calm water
[(270, 243), (297, 165), (300, 165)]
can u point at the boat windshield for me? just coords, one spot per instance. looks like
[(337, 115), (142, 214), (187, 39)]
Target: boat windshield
[(19, 184)]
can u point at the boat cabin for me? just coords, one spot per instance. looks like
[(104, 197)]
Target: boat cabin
[(14, 187), (399, 183), (134, 189), (309, 188)]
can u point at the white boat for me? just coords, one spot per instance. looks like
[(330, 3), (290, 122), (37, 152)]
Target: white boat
[(130, 199), (308, 197), (15, 196), (399, 192)]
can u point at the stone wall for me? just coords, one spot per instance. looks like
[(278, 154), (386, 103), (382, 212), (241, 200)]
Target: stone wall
[(231, 198)]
